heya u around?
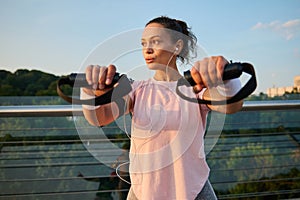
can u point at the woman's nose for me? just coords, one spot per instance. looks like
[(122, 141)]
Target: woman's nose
[(149, 50)]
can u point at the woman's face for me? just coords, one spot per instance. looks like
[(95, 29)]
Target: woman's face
[(158, 48)]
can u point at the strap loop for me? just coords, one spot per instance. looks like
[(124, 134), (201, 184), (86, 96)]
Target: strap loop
[(231, 71)]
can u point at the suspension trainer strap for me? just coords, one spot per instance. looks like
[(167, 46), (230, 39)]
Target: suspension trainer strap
[(231, 71)]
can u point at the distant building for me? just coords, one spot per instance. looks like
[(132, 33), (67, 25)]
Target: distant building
[(279, 91), (297, 81)]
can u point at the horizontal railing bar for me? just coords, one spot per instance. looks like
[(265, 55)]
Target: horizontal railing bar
[(271, 105), (218, 148), (258, 155), (52, 142), (59, 156), (64, 128), (254, 181), (37, 194), (127, 175), (255, 168), (97, 163), (61, 178), (292, 150), (110, 137), (265, 141), (258, 194), (69, 150), (76, 110), (17, 140), (256, 123), (229, 196), (254, 134), (225, 134), (40, 111), (72, 163), (209, 157), (229, 146), (34, 165)]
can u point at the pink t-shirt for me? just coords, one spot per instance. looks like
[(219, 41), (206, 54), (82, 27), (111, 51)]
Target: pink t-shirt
[(167, 158)]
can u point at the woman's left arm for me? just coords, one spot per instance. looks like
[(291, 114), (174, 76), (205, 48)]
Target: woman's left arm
[(214, 94)]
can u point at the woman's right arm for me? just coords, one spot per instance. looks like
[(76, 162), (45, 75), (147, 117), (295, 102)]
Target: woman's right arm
[(98, 77)]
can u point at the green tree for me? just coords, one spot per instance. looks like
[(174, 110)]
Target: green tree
[(251, 161)]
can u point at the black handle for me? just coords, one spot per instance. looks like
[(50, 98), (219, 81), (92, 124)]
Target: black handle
[(79, 80), (231, 71)]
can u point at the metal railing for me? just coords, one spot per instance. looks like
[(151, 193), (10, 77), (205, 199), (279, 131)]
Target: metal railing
[(257, 155), (71, 110)]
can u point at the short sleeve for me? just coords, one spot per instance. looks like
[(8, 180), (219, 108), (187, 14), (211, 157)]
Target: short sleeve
[(199, 95)]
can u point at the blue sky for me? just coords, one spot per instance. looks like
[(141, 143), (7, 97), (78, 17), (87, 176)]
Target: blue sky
[(56, 36)]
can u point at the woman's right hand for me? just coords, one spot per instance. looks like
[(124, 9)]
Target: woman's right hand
[(98, 76)]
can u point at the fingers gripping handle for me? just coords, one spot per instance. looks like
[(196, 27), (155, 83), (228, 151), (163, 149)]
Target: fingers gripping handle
[(231, 71), (78, 80)]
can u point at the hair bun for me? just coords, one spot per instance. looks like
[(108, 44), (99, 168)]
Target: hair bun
[(183, 26)]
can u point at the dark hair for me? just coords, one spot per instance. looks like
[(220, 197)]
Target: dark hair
[(188, 38)]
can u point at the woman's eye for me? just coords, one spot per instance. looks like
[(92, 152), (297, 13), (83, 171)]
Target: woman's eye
[(151, 43), (155, 42)]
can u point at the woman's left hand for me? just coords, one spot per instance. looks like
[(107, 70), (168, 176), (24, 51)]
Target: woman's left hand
[(207, 73)]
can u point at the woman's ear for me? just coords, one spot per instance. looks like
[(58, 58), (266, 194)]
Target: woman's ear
[(178, 46)]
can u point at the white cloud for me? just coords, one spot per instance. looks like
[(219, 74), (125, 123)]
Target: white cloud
[(289, 29)]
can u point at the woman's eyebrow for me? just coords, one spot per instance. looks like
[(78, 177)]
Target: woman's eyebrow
[(151, 37)]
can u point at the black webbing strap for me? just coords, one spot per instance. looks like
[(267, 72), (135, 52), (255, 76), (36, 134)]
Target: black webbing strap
[(121, 106)]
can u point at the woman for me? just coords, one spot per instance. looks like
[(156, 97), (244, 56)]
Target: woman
[(167, 159)]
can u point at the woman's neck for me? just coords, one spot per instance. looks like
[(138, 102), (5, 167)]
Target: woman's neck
[(169, 74)]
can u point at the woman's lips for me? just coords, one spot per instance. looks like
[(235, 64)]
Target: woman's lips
[(149, 60)]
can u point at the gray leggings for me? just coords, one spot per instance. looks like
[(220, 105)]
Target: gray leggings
[(207, 193)]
